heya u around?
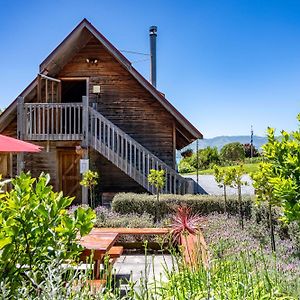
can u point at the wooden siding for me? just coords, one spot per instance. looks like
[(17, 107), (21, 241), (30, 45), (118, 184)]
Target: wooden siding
[(124, 101), (112, 179)]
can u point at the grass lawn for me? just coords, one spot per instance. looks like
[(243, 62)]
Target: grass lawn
[(249, 168)]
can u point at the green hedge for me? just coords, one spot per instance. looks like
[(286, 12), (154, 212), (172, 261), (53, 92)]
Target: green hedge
[(126, 203)]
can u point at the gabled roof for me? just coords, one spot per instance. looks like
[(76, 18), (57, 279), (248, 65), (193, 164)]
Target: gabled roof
[(73, 43)]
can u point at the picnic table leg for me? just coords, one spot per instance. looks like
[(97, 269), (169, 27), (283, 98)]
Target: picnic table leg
[(97, 268)]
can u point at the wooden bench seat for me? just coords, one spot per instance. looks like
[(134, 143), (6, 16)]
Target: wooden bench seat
[(115, 251)]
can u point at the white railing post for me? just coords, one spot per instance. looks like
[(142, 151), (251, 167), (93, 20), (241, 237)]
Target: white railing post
[(85, 140), (20, 132)]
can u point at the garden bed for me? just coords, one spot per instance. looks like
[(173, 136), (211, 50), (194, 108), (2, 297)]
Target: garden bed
[(227, 240)]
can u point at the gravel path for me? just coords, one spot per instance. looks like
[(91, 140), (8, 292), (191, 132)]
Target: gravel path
[(208, 185)]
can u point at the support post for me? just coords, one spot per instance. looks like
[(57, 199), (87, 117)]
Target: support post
[(20, 132), (85, 140)]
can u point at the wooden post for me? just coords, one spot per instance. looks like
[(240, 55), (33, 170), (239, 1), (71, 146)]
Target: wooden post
[(85, 140), (20, 133)]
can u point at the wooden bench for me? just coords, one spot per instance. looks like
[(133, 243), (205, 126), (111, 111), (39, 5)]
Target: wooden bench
[(115, 251)]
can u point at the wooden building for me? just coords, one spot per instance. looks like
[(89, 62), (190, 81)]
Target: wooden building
[(88, 101)]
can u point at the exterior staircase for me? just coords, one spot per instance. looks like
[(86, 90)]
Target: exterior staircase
[(79, 121), (130, 156)]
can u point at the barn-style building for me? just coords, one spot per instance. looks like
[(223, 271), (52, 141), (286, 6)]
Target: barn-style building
[(89, 104)]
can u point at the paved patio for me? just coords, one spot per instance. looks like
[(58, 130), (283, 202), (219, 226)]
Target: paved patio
[(136, 266)]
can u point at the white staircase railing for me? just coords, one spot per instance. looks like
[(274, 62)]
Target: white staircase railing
[(130, 156)]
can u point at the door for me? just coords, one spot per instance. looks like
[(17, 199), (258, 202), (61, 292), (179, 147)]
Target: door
[(73, 90), (69, 175)]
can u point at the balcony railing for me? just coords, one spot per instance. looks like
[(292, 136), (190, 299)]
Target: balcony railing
[(53, 121)]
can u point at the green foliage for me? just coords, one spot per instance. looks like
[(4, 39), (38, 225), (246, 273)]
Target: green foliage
[(207, 157), (248, 169), (157, 178), (36, 228), (232, 152), (264, 189), (108, 218), (245, 275), (224, 178), (90, 180), (247, 149), (126, 203), (185, 167), (283, 156), (235, 175), (278, 179)]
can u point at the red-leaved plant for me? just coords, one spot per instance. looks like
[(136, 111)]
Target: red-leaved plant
[(184, 222)]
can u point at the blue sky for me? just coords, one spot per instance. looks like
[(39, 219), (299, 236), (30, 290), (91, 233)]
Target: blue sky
[(226, 65)]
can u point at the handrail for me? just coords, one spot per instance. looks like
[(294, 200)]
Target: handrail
[(135, 163), (53, 121)]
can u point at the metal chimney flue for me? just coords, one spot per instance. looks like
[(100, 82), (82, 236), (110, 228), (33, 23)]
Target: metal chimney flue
[(153, 35)]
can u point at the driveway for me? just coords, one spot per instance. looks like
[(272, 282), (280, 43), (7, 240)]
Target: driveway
[(208, 185)]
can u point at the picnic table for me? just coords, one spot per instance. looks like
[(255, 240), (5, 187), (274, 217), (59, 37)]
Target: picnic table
[(97, 245)]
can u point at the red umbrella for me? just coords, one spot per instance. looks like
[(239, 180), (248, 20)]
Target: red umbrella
[(9, 144)]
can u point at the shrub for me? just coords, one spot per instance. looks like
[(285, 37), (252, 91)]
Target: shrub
[(108, 218), (232, 152), (247, 149), (185, 167), (207, 157), (35, 228), (126, 203)]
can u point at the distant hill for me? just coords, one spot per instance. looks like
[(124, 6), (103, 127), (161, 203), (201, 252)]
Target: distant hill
[(220, 141)]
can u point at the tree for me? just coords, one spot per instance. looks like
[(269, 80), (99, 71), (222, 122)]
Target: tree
[(236, 174), (283, 156), (247, 149), (223, 178), (187, 153), (232, 152), (264, 191), (185, 167), (36, 228), (90, 180), (158, 180), (207, 157)]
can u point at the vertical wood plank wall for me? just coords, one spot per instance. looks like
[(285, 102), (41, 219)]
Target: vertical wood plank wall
[(124, 102)]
